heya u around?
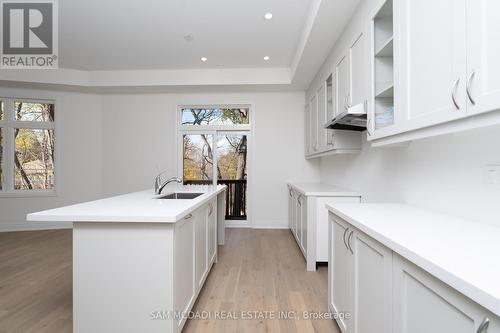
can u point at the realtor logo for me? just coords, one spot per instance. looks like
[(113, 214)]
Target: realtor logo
[(29, 34)]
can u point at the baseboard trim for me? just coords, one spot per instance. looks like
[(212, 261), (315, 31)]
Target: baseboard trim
[(270, 227), (12, 227)]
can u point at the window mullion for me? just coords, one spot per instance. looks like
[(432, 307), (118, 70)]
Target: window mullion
[(9, 146)]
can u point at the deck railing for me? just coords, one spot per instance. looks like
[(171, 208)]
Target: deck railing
[(236, 196)]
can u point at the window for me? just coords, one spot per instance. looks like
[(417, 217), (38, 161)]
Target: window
[(213, 142), (215, 116), (27, 161)]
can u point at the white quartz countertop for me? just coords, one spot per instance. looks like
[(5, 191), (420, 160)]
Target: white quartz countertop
[(133, 207), (463, 254), (322, 190)]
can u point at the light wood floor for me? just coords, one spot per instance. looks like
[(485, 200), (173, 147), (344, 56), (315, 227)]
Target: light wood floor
[(257, 270)]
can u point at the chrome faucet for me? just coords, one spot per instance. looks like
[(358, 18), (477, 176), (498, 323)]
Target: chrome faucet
[(159, 185)]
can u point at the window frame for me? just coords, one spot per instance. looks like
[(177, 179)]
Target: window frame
[(246, 129), (235, 127), (8, 124)]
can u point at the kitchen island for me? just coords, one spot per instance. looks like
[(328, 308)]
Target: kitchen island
[(140, 260)]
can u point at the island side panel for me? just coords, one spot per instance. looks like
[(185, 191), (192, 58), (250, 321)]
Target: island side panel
[(122, 276)]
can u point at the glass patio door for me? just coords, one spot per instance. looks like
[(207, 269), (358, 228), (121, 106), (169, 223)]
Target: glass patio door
[(227, 164)]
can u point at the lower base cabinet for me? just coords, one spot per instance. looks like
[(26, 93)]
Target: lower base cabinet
[(195, 248), (372, 289), (360, 280), (423, 303), (308, 221)]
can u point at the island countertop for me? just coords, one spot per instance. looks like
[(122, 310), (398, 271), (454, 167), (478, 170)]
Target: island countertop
[(143, 206)]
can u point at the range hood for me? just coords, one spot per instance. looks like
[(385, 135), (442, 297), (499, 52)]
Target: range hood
[(352, 119)]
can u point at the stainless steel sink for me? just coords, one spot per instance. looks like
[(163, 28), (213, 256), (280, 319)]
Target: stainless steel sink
[(181, 195)]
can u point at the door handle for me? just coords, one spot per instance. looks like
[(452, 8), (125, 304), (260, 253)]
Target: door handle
[(349, 241), (469, 83), (454, 92), (484, 325)]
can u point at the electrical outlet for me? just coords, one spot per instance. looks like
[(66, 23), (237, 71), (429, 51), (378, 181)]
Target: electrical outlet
[(492, 174)]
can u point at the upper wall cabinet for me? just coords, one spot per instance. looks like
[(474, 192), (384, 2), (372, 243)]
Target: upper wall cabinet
[(483, 55), (381, 116), (320, 109), (433, 62), (438, 66), (342, 73), (358, 70)]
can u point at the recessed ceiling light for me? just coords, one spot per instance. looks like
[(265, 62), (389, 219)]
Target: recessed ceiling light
[(268, 16), (266, 58), (204, 59)]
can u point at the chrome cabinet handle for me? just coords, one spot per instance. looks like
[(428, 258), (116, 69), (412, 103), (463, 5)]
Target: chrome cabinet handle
[(299, 200), (454, 92), (187, 217), (349, 242), (469, 83), (347, 100), (369, 126), (211, 209), (290, 192), (484, 325), (345, 232)]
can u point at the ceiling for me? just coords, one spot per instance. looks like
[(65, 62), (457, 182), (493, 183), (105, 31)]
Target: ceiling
[(140, 45), (149, 34)]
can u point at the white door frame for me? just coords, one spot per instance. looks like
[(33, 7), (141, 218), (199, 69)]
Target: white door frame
[(214, 131)]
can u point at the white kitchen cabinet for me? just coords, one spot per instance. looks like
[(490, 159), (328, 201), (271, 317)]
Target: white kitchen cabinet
[(331, 105), (322, 118), (358, 70), (340, 274), (184, 247), (313, 128), (298, 220), (372, 284), (342, 74), (302, 202), (212, 231), (320, 109), (201, 236), (381, 117), (360, 280), (483, 54), (385, 292), (307, 130), (309, 217), (449, 82), (422, 303), (433, 62)]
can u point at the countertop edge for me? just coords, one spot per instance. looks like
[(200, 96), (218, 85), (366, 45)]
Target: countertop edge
[(40, 217), (338, 193), (476, 294)]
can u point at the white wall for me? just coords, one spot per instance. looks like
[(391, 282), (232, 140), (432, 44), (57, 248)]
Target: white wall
[(140, 141), (79, 143), (445, 174), (111, 144)]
